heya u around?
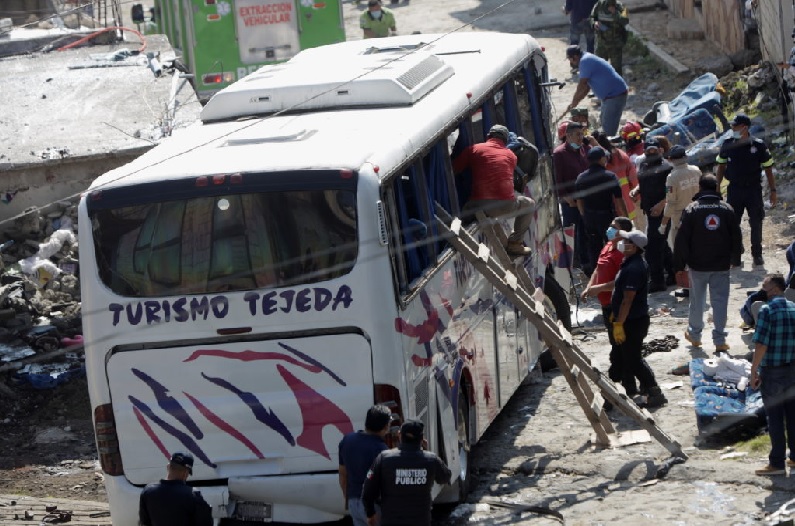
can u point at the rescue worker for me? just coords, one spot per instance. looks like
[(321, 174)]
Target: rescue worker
[(652, 175), (709, 238), (620, 164), (632, 134), (377, 21), (610, 21), (598, 197), (630, 310), (598, 75), (741, 160), (402, 479), (492, 165), (680, 187), (171, 502)]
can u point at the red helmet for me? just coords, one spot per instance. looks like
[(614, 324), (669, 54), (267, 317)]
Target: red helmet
[(562, 130), (631, 130)]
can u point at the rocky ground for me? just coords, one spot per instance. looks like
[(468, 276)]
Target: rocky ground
[(538, 451)]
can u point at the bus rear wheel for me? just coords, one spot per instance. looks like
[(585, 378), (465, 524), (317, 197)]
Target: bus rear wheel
[(464, 446)]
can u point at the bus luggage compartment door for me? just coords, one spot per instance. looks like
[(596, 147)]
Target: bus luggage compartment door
[(253, 408), (267, 30)]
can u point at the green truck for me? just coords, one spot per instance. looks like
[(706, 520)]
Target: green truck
[(221, 41)]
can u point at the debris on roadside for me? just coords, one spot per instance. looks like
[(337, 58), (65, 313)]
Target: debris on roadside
[(40, 325)]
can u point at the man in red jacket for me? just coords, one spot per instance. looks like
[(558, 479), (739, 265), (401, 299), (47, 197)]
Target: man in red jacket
[(492, 166)]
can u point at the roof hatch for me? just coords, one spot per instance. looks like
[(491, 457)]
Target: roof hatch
[(318, 79)]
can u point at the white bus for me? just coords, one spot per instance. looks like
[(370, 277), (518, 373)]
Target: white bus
[(254, 284)]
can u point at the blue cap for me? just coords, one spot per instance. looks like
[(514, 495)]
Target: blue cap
[(741, 119)]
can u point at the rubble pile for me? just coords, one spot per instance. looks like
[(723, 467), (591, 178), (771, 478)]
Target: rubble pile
[(40, 325)]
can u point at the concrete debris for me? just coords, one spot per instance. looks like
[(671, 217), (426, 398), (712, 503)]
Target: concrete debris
[(40, 298), (55, 153)]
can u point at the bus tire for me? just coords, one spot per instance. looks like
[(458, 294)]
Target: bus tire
[(560, 302), (464, 445)]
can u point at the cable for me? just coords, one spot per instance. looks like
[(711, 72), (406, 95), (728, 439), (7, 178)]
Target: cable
[(102, 31)]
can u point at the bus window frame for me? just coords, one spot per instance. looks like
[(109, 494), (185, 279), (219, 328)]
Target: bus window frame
[(406, 291)]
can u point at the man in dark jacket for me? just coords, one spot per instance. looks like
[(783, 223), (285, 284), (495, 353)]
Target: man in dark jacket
[(171, 502), (569, 160), (652, 174), (708, 241), (741, 160), (402, 478), (599, 199)]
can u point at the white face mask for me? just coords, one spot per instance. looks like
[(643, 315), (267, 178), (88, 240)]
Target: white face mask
[(376, 14), (737, 135), (620, 246)]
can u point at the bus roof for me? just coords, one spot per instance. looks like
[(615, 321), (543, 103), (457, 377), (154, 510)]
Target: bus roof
[(332, 137)]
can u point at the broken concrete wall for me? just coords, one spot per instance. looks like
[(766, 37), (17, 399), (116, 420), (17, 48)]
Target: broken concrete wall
[(34, 184), (721, 20), (775, 22)]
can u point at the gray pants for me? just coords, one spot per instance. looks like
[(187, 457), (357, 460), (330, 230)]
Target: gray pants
[(521, 209)]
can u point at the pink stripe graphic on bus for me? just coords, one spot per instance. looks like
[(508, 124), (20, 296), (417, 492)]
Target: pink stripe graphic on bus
[(224, 425)]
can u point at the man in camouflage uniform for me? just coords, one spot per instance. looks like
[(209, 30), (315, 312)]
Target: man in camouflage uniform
[(609, 18)]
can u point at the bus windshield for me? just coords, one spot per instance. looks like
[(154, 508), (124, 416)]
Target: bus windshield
[(225, 241)]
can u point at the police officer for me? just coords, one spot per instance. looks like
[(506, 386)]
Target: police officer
[(652, 175), (171, 502), (402, 478), (741, 160), (610, 21), (599, 199)]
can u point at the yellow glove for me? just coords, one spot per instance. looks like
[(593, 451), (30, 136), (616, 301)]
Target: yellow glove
[(618, 332)]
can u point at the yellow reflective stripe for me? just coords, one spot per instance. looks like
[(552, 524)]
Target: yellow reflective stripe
[(721, 160), (768, 163), (623, 181)]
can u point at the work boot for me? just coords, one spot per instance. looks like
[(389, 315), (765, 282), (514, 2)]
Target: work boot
[(656, 398), (759, 261), (516, 248)]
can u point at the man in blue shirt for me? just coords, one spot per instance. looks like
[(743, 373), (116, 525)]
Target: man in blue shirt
[(357, 451), (597, 75), (774, 353), (579, 12)]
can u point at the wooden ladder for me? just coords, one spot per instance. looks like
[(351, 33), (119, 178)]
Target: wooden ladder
[(589, 385)]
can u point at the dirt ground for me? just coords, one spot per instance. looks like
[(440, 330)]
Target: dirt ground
[(537, 452)]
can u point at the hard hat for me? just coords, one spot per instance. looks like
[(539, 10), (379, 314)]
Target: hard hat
[(631, 130)]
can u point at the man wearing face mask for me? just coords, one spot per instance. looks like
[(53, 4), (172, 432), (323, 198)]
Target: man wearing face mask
[(569, 160), (630, 325), (741, 160), (599, 199), (377, 21), (652, 174), (601, 286)]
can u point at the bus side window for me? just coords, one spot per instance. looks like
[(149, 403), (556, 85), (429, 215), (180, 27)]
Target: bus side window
[(415, 228), (523, 106), (438, 175), (463, 181)]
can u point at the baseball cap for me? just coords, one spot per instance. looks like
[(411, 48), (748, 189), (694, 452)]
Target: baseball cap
[(183, 459), (651, 143), (574, 125), (635, 236), (596, 153), (573, 51), (371, 3), (741, 119), (579, 112), (412, 431), (677, 152), (500, 132)]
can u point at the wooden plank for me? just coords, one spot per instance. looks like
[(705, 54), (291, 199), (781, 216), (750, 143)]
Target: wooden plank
[(723, 24)]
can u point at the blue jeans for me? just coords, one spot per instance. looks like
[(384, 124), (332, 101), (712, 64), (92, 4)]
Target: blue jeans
[(718, 283), (582, 26), (778, 397), (358, 515), (610, 114)]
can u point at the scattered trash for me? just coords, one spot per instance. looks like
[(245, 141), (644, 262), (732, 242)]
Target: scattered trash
[(672, 385), (666, 344), (734, 454)]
